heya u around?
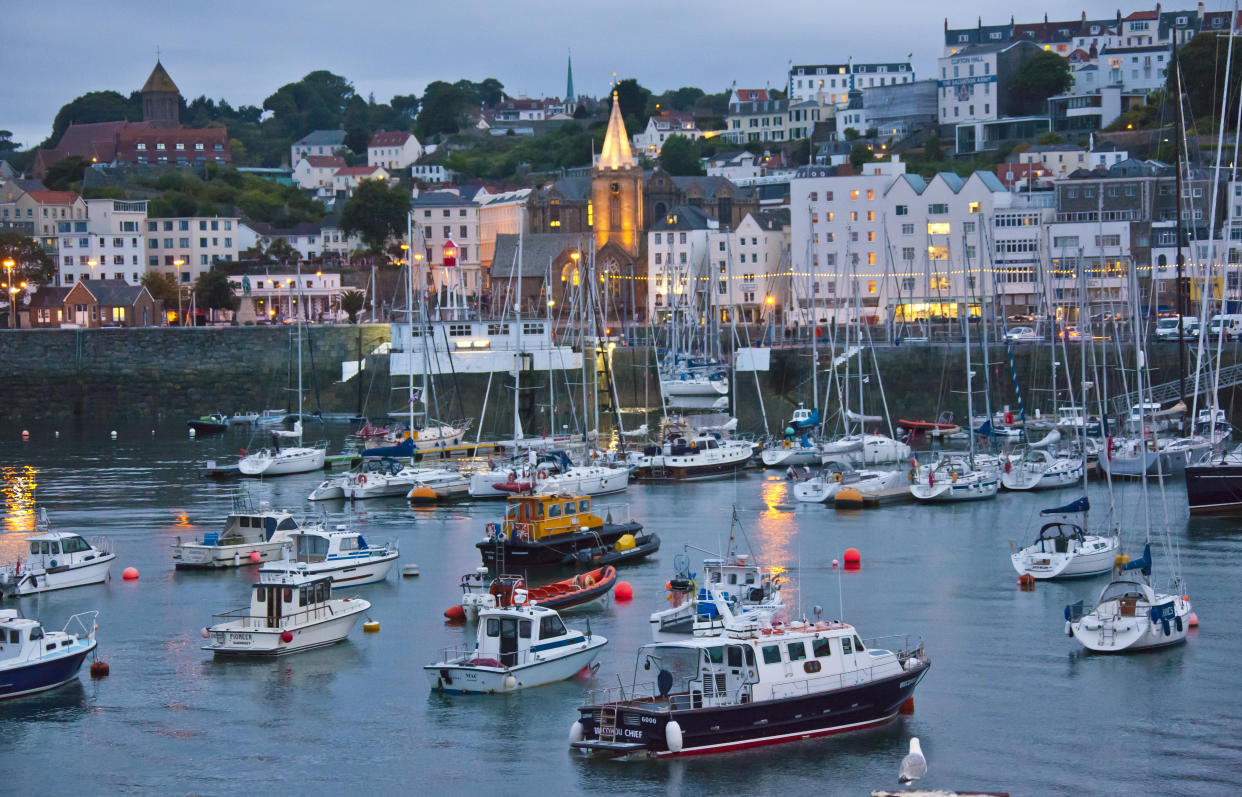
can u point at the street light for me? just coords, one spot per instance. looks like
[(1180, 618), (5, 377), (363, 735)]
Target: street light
[(8, 273), (179, 263)]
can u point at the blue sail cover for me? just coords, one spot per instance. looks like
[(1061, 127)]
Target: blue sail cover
[(809, 423), (403, 449), (1143, 563), (985, 428), (1081, 505)]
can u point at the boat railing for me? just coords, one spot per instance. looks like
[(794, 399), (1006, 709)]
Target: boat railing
[(621, 694), (83, 624), (261, 621), (101, 544), (614, 514)]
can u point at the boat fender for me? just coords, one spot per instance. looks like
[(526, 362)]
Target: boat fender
[(954, 476), (590, 582), (512, 476), (836, 477), (1068, 630), (510, 683), (910, 475), (543, 474), (673, 737), (931, 479), (576, 732), (1008, 465)]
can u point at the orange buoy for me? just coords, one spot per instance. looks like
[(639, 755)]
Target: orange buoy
[(455, 613), (255, 556), (99, 669), (286, 637), (852, 558), (422, 494), (623, 591), (907, 707), (1026, 581), (130, 574), (668, 585), (1193, 620)]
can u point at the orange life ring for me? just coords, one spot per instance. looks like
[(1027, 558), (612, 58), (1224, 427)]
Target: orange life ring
[(543, 473), (362, 478)]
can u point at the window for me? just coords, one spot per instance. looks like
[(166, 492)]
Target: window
[(854, 194), (448, 231), (797, 650), (463, 229), (907, 229), (938, 228), (821, 647), (551, 626), (907, 253), (938, 252), (902, 210), (938, 283), (870, 193), (937, 209)]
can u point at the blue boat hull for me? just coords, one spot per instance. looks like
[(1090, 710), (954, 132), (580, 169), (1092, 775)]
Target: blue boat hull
[(41, 675)]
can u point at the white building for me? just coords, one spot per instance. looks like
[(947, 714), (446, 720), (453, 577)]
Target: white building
[(431, 173), (832, 83), (499, 214), (445, 221), (1057, 159), (279, 296), (747, 266), (1019, 250), (662, 125), (318, 142), (734, 166), (393, 149), (346, 178), (754, 115), (1135, 69), (195, 243), (305, 238), (315, 172), (109, 244), (677, 258)]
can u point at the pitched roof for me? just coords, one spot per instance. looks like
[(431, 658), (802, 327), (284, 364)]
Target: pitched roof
[(388, 138), (54, 197), (773, 219), (360, 171), (324, 161), (314, 138), (538, 249), (160, 81), (113, 293), (750, 95), (682, 217), (616, 152), (48, 296)]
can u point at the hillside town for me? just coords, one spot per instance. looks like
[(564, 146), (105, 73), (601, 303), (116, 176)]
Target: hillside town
[(1039, 168)]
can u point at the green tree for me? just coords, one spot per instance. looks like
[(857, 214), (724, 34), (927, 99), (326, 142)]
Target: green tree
[(1051, 137), (444, 107), (279, 250), (32, 264), (376, 213), (95, 106), (1039, 77), (1202, 61), (352, 303), (162, 287), (633, 101), (212, 291), (851, 134), (7, 144), (679, 157), (65, 173), (860, 155), (933, 150)]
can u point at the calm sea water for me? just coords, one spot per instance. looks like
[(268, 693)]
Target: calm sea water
[(1010, 703)]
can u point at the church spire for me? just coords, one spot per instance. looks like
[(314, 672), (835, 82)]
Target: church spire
[(569, 80), (616, 153)]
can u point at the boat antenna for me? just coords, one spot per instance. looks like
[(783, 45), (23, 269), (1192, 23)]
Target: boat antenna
[(840, 595)]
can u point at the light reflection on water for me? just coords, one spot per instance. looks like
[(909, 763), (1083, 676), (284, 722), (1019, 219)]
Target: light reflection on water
[(20, 513)]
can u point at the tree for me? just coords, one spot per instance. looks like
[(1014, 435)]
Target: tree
[(376, 213), (1202, 61), (352, 303), (1038, 78), (859, 155), (64, 173), (1051, 137), (633, 101), (679, 157), (933, 150), (443, 107), (851, 134), (161, 286), (32, 264), (213, 292), (95, 106), (279, 250), (7, 144)]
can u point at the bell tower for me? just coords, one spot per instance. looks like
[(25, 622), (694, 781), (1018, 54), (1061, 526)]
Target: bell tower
[(617, 189), (161, 99)]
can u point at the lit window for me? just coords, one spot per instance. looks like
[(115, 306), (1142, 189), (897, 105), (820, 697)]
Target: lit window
[(938, 228)]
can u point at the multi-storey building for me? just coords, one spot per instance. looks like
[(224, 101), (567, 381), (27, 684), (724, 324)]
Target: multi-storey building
[(662, 125), (186, 247), (37, 213), (747, 267), (316, 172), (976, 96), (677, 256), (831, 83), (446, 223), (393, 149), (110, 243), (754, 115), (318, 142)]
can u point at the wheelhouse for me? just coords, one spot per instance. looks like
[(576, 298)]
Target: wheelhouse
[(535, 517)]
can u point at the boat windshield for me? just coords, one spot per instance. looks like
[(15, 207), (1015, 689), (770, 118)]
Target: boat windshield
[(682, 664), (1119, 590)]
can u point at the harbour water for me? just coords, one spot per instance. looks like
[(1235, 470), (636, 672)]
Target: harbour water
[(1011, 703)]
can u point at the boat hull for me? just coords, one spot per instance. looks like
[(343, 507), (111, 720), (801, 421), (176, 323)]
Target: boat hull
[(466, 679), (1097, 558), (195, 556), (1110, 632), (552, 551), (36, 581), (288, 462), (799, 455), (1052, 478), (1214, 489), (44, 673), (689, 467), (355, 572), (948, 491)]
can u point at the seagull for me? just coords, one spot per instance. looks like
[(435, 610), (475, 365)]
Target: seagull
[(914, 765)]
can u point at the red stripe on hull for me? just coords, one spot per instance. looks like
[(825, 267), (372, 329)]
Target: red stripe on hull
[(783, 738)]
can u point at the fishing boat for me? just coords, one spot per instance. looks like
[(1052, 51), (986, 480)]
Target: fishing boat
[(1063, 549), (290, 610), (519, 645), (953, 479), (552, 530), (479, 591), (216, 423), (732, 580), (251, 535), (700, 457), (57, 560), (1037, 469), (756, 684), (33, 659), (341, 554)]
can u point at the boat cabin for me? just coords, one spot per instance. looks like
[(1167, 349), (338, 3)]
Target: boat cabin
[(246, 527), (23, 638), (681, 446), (535, 517), (312, 545), (737, 577), (1056, 537), (58, 550), (288, 596), (508, 636)]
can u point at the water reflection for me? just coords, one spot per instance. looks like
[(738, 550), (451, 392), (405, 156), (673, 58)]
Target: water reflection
[(19, 497)]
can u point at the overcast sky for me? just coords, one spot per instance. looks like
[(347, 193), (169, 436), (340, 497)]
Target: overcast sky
[(243, 50)]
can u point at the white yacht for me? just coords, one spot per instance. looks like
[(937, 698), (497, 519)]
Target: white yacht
[(732, 586), (436, 485), (800, 450), (867, 449), (1130, 615), (250, 535), (278, 461), (1037, 469), (699, 457), (290, 611), (952, 479), (872, 485), (590, 480), (1064, 550), (57, 560), (386, 483), (342, 554), (518, 645)]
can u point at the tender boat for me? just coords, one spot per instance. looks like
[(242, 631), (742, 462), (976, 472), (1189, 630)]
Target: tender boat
[(1037, 469), (33, 659), (343, 555), (58, 560), (700, 457), (518, 645), (217, 423), (1130, 615), (554, 530), (479, 591), (1064, 550), (733, 579), (250, 535), (753, 685), (290, 610), (952, 479)]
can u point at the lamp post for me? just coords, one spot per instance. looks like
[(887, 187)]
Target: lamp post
[(8, 273), (179, 263)]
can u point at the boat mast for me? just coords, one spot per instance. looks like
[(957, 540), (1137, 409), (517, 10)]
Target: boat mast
[(815, 328), (970, 395), (1178, 130), (301, 307)]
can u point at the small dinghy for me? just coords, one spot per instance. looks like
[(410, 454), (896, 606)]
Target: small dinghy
[(290, 610), (480, 592), (33, 659), (208, 424), (519, 645)]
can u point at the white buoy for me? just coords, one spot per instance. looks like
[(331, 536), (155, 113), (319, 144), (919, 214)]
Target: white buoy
[(672, 736), (56, 433), (576, 732), (192, 432), (409, 570), (114, 434)]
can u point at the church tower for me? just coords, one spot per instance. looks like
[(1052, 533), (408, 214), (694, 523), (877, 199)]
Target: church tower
[(570, 98), (617, 189), (161, 99)]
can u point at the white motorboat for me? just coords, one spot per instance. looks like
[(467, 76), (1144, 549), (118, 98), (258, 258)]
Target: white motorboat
[(1037, 469), (475, 592), (501, 481), (518, 645), (1064, 550), (333, 488), (431, 438), (590, 480), (250, 535), (57, 560), (290, 610), (699, 457), (872, 485), (33, 659), (732, 586), (952, 479), (435, 485), (1129, 457), (387, 483), (1130, 615), (342, 554), (867, 449)]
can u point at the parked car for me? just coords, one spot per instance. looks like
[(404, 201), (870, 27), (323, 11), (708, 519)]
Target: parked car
[(1069, 333), (1023, 335)]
